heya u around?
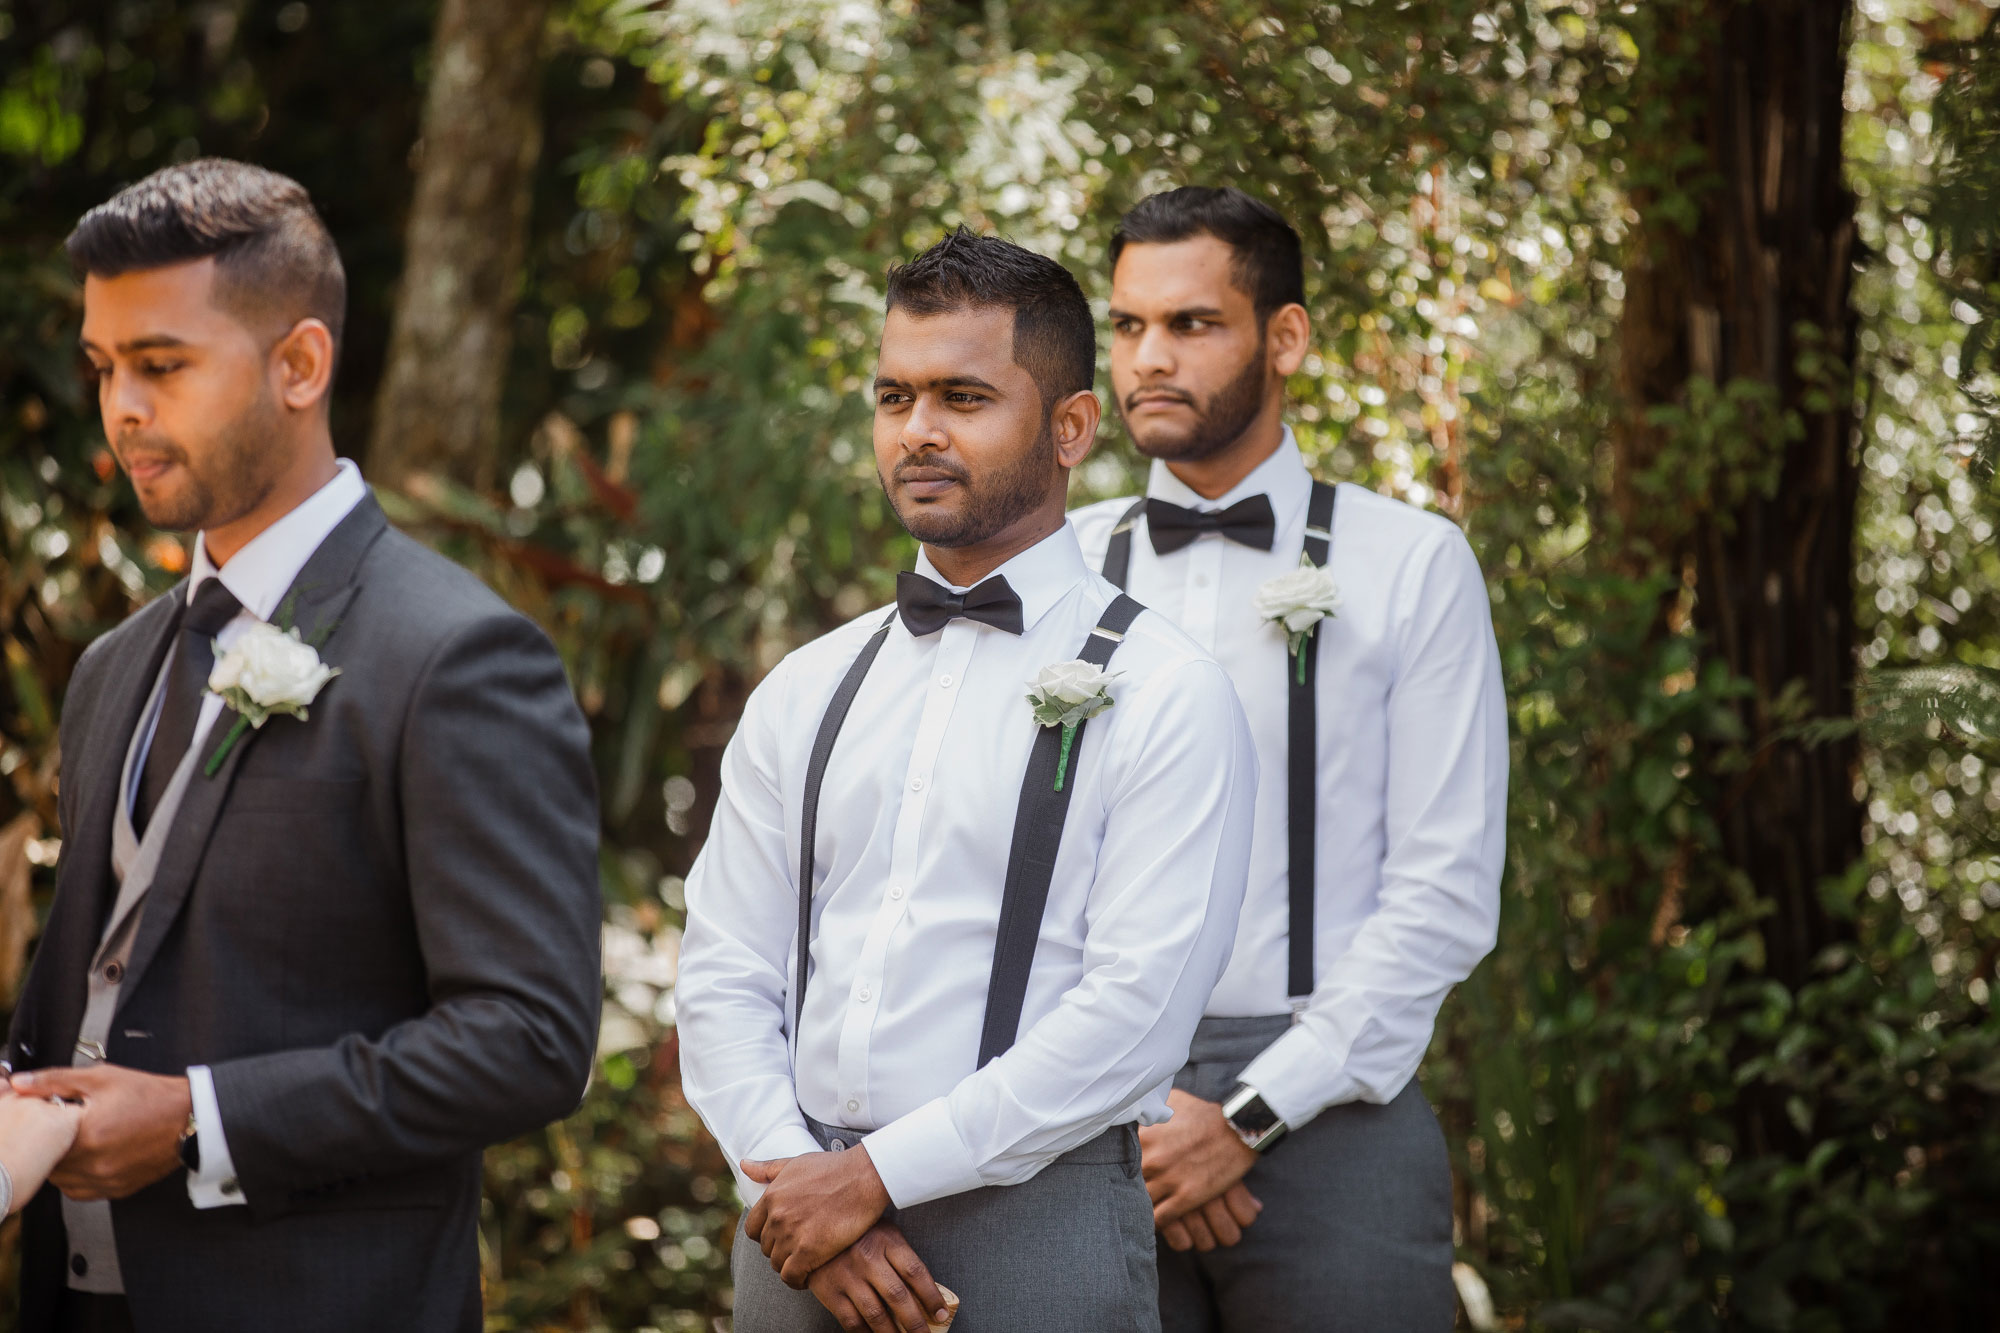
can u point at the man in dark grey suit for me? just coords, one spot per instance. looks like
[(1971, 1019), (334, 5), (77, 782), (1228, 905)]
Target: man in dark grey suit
[(301, 972)]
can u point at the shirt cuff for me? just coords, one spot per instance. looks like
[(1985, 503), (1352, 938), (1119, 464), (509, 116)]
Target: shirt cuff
[(921, 1157), (215, 1185), (1297, 1079)]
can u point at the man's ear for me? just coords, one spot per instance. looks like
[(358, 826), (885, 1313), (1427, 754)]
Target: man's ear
[(302, 361), (1074, 425), (1288, 335)]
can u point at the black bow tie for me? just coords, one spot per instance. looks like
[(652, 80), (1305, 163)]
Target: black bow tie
[(927, 606), (1249, 522)]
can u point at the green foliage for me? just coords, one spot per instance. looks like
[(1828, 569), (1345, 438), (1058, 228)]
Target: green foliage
[(1649, 1132)]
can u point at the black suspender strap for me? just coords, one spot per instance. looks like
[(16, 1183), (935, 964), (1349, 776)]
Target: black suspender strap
[(1031, 864), (1301, 735), (1118, 551), (829, 731), (1302, 765)]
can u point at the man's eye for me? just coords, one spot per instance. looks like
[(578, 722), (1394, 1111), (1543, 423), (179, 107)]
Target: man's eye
[(157, 368), (964, 399)]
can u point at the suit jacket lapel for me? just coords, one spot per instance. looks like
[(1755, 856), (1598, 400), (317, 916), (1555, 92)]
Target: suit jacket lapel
[(317, 597), (87, 888)]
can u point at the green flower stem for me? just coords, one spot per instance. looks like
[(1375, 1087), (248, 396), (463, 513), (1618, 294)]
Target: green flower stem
[(1062, 763), (228, 743)]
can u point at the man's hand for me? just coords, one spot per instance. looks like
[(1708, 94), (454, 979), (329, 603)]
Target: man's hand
[(814, 1206), (879, 1283), (1194, 1166), (129, 1135), (1220, 1221)]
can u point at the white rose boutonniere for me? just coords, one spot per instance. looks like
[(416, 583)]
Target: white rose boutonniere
[(1066, 695), (269, 671), (1297, 602)]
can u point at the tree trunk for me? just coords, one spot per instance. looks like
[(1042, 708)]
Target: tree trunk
[(1760, 278), (439, 406)]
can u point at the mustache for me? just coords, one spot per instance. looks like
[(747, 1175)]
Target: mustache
[(135, 442), (1159, 391), (956, 471)]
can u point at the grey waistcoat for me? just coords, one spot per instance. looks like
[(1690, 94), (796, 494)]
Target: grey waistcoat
[(134, 861)]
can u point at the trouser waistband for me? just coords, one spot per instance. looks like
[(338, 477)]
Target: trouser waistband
[(1240, 1040), (1117, 1146)]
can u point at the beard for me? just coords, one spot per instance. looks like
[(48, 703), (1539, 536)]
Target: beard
[(236, 471), (993, 502), (1218, 423)]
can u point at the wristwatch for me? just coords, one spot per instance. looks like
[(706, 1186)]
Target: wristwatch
[(191, 1147), (1255, 1123)]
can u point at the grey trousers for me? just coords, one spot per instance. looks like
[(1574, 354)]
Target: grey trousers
[(1071, 1248), (1355, 1236)]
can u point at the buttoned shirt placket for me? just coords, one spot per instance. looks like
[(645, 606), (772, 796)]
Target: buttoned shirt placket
[(949, 659)]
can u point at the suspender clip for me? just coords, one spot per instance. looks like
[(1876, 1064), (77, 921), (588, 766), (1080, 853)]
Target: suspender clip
[(1300, 1003)]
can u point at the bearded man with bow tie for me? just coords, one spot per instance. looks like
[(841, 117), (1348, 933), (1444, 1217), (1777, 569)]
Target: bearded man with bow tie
[(1302, 1184), (975, 868)]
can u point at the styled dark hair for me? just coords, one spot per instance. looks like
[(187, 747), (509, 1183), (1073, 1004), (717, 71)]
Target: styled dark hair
[(273, 255), (1268, 265), (1055, 337)]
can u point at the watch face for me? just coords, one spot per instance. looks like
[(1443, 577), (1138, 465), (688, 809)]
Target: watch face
[(1254, 1117)]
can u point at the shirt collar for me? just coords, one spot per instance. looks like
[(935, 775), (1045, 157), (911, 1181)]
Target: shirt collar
[(260, 574), (1040, 576), (1282, 476)]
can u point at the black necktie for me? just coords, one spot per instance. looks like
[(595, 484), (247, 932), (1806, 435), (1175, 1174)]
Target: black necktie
[(927, 606), (1247, 521), (194, 657)]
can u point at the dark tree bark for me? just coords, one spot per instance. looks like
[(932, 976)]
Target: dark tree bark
[(1770, 251), (439, 406)]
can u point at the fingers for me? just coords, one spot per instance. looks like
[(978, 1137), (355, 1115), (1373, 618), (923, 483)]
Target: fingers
[(48, 1083), (1175, 1234), (1215, 1215), (1159, 1188), (762, 1172), (794, 1269), (1242, 1204), (1198, 1232), (753, 1221), (911, 1268)]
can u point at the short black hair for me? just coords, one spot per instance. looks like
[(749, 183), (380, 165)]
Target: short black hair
[(1269, 265), (272, 253), (1055, 337)]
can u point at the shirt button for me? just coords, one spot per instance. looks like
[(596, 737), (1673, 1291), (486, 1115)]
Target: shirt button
[(866, 995), (1201, 580), (840, 1145), (896, 892), (79, 1265), (944, 681), (114, 972), (853, 1105), (917, 783)]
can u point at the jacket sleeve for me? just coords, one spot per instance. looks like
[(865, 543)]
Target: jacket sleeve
[(500, 826)]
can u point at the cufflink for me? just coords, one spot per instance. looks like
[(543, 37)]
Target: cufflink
[(190, 1146)]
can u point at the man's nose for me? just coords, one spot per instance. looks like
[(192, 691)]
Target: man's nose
[(124, 402), (924, 427), (1154, 354)]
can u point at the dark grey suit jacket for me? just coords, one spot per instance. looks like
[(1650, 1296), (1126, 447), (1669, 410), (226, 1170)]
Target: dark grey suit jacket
[(379, 927)]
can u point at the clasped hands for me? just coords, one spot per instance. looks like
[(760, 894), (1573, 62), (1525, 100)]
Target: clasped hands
[(1194, 1166), (819, 1223), (124, 1135)]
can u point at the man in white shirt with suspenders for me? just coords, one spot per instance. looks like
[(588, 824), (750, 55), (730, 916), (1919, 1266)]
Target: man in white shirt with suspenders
[(946, 945), (1382, 741)]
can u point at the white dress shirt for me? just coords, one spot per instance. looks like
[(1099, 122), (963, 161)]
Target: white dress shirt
[(259, 575), (1412, 778), (915, 822)]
